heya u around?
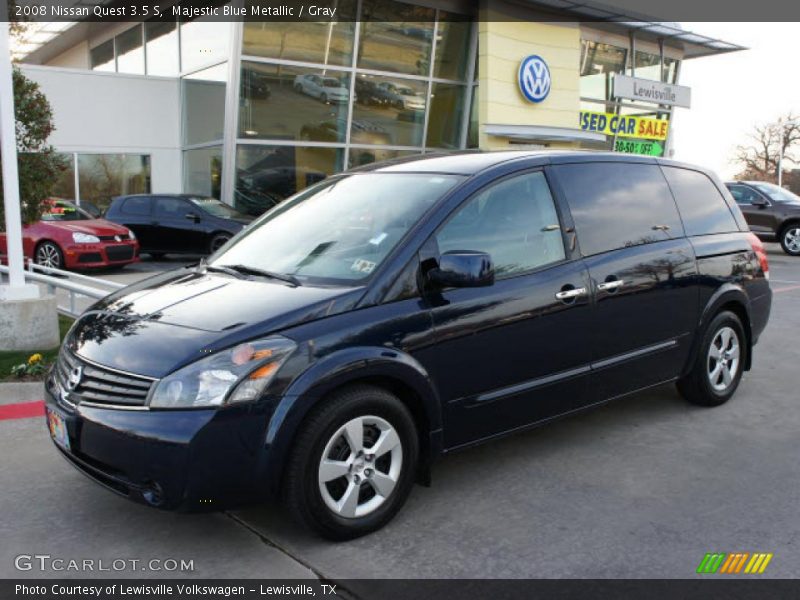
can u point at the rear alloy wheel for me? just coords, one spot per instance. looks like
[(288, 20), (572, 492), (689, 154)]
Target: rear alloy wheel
[(790, 240), (353, 463), (217, 242), (49, 255), (719, 364)]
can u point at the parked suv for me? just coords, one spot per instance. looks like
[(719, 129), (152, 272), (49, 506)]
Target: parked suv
[(177, 223), (398, 312), (772, 212)]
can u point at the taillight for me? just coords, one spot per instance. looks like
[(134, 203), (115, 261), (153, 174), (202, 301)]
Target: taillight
[(761, 252)]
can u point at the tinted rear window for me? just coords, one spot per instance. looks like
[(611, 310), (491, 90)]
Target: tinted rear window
[(136, 206), (615, 205), (702, 206)]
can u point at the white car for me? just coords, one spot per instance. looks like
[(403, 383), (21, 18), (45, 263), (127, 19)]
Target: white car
[(401, 96), (326, 89)]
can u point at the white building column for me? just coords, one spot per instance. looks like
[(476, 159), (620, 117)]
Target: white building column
[(16, 289), (27, 321)]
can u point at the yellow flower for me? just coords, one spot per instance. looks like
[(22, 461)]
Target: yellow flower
[(35, 358)]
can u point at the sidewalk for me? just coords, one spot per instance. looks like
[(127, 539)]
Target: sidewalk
[(27, 391)]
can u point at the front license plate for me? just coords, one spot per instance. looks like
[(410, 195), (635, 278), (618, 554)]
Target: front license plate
[(58, 429)]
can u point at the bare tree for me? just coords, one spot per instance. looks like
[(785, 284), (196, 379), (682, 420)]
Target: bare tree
[(758, 158)]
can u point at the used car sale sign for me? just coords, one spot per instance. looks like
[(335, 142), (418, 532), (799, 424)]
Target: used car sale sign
[(624, 125)]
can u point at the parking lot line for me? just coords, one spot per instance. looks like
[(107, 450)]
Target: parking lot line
[(786, 289), (22, 410)]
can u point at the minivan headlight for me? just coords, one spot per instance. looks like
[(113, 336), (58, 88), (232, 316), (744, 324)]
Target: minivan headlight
[(227, 377)]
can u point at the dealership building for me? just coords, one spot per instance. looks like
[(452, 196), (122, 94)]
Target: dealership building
[(251, 112)]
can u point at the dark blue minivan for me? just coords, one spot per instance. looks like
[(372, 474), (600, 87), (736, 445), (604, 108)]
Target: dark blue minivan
[(388, 315)]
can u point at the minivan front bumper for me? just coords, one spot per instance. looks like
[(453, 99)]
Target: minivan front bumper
[(180, 460)]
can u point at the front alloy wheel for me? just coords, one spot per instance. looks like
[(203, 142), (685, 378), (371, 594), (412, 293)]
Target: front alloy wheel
[(790, 240), (360, 466), (49, 255), (353, 462)]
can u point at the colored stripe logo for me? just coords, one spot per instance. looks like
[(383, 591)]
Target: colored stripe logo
[(734, 563)]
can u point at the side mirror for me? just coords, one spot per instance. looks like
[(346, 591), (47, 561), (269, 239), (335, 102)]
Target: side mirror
[(193, 217), (463, 268), (760, 202)]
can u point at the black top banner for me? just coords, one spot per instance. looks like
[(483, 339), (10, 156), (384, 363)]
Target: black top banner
[(418, 11)]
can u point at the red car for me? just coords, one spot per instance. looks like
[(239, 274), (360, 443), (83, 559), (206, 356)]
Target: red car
[(67, 237)]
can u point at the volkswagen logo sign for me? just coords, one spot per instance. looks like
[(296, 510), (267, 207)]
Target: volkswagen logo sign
[(534, 78), (74, 378)]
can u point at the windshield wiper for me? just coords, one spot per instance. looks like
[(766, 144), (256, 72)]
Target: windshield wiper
[(203, 266), (247, 270)]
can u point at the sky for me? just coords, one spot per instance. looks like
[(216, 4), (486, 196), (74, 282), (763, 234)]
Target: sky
[(733, 92)]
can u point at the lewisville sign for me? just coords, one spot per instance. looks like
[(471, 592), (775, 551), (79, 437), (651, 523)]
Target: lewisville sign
[(647, 90)]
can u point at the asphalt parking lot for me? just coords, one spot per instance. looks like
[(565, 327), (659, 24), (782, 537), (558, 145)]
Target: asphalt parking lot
[(641, 488)]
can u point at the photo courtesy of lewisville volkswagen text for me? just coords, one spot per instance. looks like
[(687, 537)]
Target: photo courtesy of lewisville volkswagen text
[(398, 299)]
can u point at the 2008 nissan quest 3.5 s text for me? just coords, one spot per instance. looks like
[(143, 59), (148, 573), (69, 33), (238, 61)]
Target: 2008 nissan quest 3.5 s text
[(383, 317)]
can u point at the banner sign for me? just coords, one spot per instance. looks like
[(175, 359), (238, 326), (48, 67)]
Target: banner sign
[(645, 147), (647, 90), (624, 125)]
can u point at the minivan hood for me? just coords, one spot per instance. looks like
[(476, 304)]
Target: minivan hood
[(165, 322)]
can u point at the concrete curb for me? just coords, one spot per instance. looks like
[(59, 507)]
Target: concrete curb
[(22, 391)]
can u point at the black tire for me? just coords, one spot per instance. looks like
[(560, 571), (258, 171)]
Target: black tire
[(697, 385), (789, 238), (48, 254), (301, 484), (157, 255), (217, 241)]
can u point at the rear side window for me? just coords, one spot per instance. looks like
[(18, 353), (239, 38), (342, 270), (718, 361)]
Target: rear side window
[(136, 206), (616, 205), (702, 206)]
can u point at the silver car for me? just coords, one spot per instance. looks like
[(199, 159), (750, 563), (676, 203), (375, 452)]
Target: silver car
[(326, 89)]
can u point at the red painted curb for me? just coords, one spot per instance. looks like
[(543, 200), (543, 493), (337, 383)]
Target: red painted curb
[(22, 410)]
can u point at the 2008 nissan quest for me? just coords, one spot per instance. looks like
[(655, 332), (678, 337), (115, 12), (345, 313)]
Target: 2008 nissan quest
[(330, 351)]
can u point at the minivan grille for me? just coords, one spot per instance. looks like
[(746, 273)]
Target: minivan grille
[(97, 384)]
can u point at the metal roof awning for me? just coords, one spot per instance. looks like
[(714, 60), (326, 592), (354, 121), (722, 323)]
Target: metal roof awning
[(621, 19), (539, 133)]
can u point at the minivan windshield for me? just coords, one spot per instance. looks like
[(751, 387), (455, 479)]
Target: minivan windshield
[(776, 193), (340, 231)]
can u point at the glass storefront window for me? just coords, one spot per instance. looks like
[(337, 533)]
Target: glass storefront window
[(202, 171), (64, 186), (598, 63), (365, 156), (670, 74), (446, 114), (290, 103), (648, 66), (327, 43), (204, 105), (452, 46), (396, 37), (388, 111), (101, 58), (266, 175), (162, 48), (130, 52), (203, 42), (103, 176), (472, 130)]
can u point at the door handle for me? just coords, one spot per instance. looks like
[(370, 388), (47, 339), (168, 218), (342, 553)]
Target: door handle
[(571, 294), (609, 286)]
